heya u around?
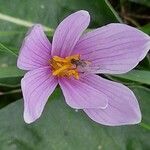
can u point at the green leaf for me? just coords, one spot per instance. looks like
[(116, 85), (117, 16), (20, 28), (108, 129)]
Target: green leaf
[(113, 11), (10, 82), (7, 50), (8, 67), (12, 71), (62, 128), (49, 13), (7, 63), (146, 28), (143, 95), (20, 22), (9, 97), (136, 75), (7, 60)]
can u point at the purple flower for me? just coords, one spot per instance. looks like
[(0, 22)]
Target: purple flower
[(73, 60)]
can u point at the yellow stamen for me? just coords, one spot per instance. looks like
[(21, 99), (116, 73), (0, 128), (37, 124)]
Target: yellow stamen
[(58, 71), (63, 67)]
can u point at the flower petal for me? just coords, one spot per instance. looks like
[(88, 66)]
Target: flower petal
[(35, 50), (37, 86), (114, 48), (68, 32), (123, 107), (80, 95)]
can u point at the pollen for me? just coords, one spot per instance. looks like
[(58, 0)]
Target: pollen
[(63, 67)]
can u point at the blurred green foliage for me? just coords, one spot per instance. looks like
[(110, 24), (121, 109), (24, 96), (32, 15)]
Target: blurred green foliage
[(62, 128)]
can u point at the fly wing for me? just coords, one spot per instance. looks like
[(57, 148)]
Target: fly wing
[(85, 66)]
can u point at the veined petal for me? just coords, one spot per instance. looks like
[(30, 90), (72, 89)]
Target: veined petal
[(68, 32), (37, 86), (114, 48), (35, 50), (80, 95), (123, 107)]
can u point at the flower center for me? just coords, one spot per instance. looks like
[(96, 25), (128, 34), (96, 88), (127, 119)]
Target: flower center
[(65, 67)]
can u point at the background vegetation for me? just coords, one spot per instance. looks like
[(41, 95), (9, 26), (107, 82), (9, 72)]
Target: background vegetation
[(60, 127)]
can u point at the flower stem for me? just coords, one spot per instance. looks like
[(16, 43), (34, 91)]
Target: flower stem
[(21, 22)]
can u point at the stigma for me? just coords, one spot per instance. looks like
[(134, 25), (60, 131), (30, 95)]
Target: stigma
[(65, 67)]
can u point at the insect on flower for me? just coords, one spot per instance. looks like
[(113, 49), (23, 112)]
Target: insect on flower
[(73, 61), (79, 63), (82, 65)]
